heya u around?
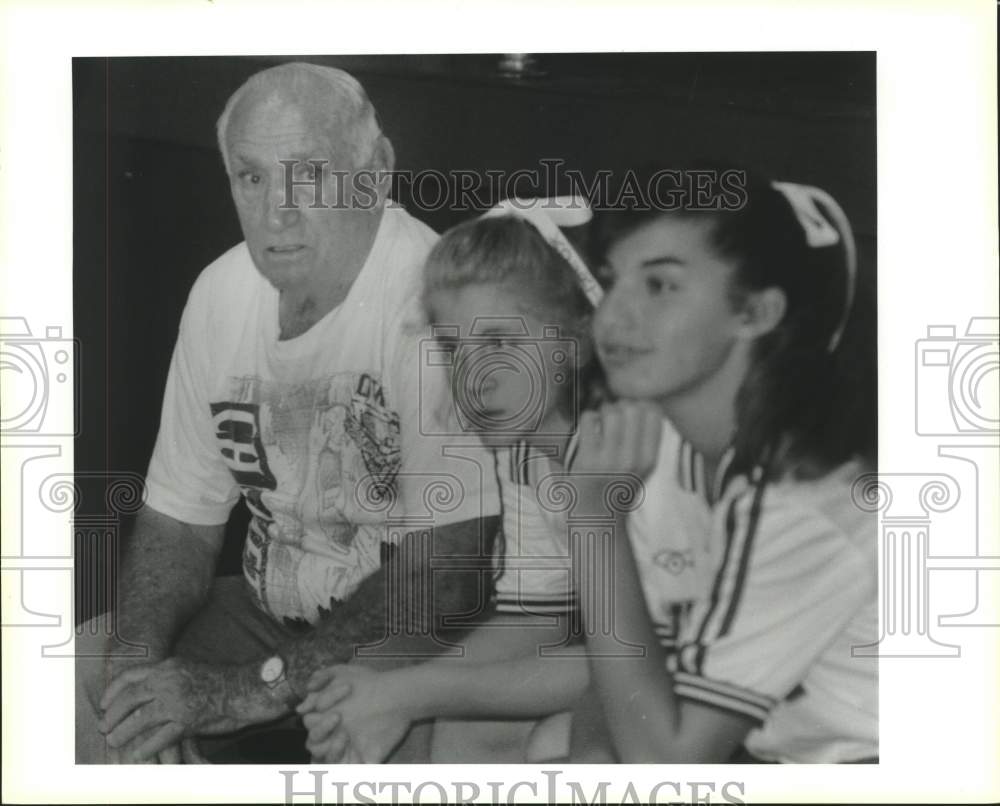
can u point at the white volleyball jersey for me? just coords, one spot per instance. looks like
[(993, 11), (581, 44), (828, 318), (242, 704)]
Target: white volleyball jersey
[(793, 591)]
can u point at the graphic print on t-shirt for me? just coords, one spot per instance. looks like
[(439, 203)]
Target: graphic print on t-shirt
[(301, 453)]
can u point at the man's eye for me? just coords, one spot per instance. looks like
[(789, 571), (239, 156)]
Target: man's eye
[(305, 171), (658, 285), (249, 178)]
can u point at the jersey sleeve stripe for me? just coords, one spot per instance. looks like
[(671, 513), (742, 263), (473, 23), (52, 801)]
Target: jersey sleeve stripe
[(720, 701), (521, 607), (735, 598), (722, 572), (731, 578), (536, 598), (725, 689)]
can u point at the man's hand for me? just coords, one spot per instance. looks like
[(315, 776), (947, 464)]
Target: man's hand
[(115, 663), (175, 699), (353, 714)]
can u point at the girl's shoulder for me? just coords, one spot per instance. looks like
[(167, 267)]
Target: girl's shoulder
[(822, 507)]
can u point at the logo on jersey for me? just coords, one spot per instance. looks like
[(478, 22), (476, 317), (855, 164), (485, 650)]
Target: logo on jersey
[(237, 428), (675, 562), (374, 429)]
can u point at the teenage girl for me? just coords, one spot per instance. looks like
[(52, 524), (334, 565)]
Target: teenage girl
[(733, 322)]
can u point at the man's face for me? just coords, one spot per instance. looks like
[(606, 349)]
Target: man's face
[(667, 324), (292, 246)]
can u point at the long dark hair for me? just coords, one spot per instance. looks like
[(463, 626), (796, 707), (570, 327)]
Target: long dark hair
[(806, 400)]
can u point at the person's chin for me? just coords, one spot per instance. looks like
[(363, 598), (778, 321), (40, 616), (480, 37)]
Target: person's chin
[(283, 276), (632, 382)]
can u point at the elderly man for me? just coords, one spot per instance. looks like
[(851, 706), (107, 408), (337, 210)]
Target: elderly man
[(295, 382)]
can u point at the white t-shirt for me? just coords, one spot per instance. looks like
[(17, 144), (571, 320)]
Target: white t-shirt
[(793, 590), (321, 433)]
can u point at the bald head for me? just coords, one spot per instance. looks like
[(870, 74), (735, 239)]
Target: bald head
[(329, 101)]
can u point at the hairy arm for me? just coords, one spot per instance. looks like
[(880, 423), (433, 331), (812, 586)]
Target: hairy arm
[(430, 577), (165, 576), (179, 698)]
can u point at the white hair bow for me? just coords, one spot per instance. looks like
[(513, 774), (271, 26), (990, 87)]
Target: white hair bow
[(546, 216), (825, 224)]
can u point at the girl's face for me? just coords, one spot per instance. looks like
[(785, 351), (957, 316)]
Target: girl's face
[(666, 325), (509, 370)]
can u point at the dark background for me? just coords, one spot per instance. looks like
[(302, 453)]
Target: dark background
[(152, 205)]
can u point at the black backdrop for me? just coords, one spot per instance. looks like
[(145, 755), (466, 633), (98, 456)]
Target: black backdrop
[(152, 207)]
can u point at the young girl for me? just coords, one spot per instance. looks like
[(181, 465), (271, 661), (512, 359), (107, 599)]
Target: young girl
[(734, 323), (511, 303)]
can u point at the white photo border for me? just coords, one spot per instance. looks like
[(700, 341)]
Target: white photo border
[(937, 265)]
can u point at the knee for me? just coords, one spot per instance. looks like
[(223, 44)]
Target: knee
[(549, 739), (90, 650)]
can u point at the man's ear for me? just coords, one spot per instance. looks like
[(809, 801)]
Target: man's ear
[(382, 162), (762, 312), (384, 156)]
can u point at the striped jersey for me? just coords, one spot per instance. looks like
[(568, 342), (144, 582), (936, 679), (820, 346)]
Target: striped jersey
[(792, 590)]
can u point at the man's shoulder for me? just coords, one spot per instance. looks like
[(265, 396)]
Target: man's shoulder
[(407, 242), (398, 271), (223, 294), (409, 229), (226, 287), (231, 271)]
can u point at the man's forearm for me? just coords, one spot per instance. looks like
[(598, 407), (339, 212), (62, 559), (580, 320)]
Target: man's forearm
[(164, 579), (402, 607)]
